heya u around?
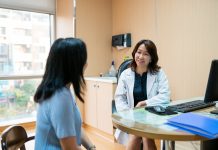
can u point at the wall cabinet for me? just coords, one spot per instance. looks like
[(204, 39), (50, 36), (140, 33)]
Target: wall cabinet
[(97, 106)]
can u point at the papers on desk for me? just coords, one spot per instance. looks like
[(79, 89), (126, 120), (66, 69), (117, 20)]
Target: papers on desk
[(196, 124)]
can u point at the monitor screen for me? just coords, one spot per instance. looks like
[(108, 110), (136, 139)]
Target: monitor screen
[(211, 94)]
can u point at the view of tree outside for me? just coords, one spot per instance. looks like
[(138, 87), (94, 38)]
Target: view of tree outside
[(16, 98), (25, 39)]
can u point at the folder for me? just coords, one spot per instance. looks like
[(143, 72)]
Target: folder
[(196, 124)]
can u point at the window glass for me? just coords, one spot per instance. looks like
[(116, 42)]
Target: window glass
[(16, 100), (25, 40)]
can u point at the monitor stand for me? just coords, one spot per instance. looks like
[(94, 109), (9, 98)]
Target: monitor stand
[(216, 110)]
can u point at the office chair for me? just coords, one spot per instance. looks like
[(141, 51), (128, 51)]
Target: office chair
[(122, 67), (14, 138)]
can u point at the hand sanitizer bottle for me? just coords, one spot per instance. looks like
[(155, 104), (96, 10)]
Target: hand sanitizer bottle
[(112, 71)]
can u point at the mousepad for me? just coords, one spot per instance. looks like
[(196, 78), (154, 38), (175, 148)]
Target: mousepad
[(167, 111)]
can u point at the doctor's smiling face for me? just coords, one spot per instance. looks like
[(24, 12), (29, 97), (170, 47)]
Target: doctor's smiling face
[(145, 55), (142, 57)]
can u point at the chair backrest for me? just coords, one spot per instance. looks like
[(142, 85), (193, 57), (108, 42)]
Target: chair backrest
[(14, 137), (113, 106), (123, 66)]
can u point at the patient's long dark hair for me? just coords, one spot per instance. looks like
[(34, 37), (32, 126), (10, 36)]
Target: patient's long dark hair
[(65, 64)]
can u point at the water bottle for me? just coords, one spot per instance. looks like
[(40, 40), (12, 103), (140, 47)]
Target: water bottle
[(112, 71)]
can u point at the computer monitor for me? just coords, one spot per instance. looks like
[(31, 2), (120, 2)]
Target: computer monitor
[(211, 94)]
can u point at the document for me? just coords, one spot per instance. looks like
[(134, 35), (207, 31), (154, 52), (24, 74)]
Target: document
[(196, 124)]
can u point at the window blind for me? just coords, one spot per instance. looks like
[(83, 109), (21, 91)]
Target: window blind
[(41, 6)]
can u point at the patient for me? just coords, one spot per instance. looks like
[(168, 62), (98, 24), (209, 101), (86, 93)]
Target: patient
[(143, 84), (58, 125)]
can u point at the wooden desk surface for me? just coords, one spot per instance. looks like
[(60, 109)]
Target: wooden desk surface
[(145, 124)]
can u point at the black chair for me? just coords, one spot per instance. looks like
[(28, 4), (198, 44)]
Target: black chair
[(113, 107), (14, 138), (123, 66)]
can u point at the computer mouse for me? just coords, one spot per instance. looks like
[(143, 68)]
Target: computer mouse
[(159, 109)]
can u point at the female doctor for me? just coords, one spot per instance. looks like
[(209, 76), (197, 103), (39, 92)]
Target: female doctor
[(143, 84)]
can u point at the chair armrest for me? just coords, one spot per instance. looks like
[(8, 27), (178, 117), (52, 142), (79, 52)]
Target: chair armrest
[(30, 138)]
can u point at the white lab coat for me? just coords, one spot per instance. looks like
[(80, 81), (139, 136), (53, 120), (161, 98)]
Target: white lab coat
[(158, 93)]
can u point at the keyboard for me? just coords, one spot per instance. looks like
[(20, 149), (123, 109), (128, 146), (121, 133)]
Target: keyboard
[(190, 106)]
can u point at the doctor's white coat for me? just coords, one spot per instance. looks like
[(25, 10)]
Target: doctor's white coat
[(158, 93)]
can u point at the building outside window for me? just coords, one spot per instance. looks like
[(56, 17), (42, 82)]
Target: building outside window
[(25, 40)]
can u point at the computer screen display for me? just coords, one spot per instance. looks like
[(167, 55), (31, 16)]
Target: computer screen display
[(211, 94)]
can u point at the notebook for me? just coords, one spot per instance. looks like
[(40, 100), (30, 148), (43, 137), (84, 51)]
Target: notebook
[(196, 124)]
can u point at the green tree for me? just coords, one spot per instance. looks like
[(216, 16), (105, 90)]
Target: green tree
[(24, 92)]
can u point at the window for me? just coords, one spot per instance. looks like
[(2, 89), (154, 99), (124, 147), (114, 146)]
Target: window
[(23, 52)]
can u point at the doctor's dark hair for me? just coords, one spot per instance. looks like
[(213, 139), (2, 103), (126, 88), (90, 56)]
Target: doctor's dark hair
[(152, 50), (65, 64)]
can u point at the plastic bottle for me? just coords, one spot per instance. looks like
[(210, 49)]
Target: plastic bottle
[(112, 71)]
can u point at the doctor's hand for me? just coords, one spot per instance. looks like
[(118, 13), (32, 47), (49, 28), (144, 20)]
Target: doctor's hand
[(141, 104)]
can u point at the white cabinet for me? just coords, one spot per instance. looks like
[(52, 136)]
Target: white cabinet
[(97, 106), (90, 105)]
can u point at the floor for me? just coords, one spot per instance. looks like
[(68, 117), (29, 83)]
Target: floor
[(101, 142), (104, 143)]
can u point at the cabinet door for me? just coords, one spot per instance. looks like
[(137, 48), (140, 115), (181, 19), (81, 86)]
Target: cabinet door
[(90, 115), (104, 112)]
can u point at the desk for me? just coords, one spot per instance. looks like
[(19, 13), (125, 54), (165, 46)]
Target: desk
[(145, 124)]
